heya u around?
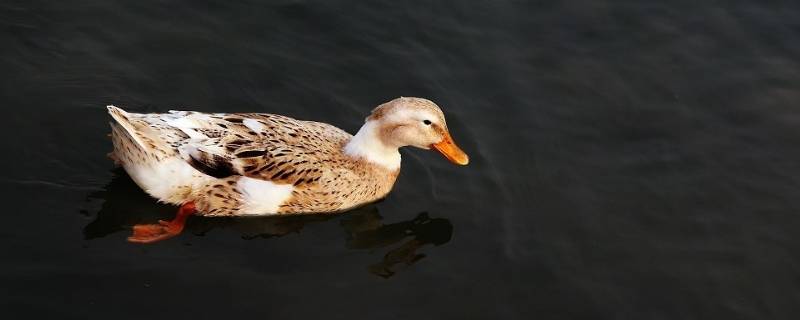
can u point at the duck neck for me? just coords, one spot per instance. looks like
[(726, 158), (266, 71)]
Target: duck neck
[(368, 145)]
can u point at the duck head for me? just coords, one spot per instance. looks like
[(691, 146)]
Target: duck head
[(404, 122)]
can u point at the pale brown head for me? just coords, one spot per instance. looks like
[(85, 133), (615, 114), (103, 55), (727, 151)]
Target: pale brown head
[(416, 122)]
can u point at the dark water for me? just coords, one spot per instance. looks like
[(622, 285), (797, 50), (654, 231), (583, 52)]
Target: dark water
[(630, 160)]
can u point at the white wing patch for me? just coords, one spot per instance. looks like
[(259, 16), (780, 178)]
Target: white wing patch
[(253, 125), (187, 122), (261, 197)]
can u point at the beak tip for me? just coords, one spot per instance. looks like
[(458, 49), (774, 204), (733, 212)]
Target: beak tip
[(450, 151)]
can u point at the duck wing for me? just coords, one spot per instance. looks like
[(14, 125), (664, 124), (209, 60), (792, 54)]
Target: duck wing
[(261, 146)]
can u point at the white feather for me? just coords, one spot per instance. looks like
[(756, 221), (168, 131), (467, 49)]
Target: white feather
[(167, 179), (187, 122), (253, 125), (262, 197), (368, 145)]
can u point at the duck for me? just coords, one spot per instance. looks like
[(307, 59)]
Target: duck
[(260, 164)]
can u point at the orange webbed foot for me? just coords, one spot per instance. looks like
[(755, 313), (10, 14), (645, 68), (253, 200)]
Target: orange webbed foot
[(150, 233)]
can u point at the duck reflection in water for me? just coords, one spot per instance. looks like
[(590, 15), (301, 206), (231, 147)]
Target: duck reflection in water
[(126, 205)]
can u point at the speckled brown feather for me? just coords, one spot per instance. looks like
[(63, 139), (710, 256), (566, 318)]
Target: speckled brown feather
[(305, 154)]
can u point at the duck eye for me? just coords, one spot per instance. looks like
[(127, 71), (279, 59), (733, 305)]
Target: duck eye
[(426, 122)]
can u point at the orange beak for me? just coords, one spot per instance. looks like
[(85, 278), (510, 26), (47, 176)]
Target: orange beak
[(450, 150)]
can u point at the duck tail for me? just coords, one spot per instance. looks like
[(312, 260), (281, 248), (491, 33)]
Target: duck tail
[(123, 119)]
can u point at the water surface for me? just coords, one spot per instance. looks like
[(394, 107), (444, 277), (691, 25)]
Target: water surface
[(629, 160)]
